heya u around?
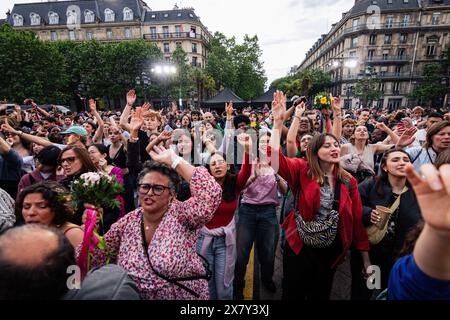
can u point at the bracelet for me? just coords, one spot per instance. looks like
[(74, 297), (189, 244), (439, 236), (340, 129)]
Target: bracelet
[(299, 119), (176, 162)]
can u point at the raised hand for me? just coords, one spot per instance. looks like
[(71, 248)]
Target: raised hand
[(433, 194), (163, 155), (382, 126), (229, 109), (92, 105), (335, 104), (6, 127), (146, 106), (245, 140), (164, 136), (300, 109), (278, 106), (131, 97), (407, 137), (137, 119)]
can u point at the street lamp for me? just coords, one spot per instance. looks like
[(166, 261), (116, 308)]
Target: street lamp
[(348, 91), (144, 79), (164, 70)]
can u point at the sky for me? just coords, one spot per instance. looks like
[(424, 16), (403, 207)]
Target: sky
[(286, 29)]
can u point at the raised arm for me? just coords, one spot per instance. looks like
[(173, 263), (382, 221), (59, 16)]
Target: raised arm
[(291, 142), (29, 137), (336, 129), (131, 99), (101, 125)]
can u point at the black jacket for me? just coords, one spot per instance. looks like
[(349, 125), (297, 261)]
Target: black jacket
[(408, 214)]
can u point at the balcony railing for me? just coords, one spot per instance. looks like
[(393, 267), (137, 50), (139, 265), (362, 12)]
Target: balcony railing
[(174, 35), (402, 58), (382, 75)]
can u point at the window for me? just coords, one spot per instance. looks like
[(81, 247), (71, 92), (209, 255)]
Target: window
[(194, 61), (109, 34), (35, 19), (166, 48), (398, 70), (153, 32), (405, 1), (109, 15), (128, 33), (179, 14), (373, 39), (72, 35), (381, 87), (352, 54), (396, 88), (89, 35), (389, 2), (53, 18), (431, 50), (194, 48), (166, 15), (431, 45), (178, 31), (166, 31), (435, 19), (370, 54), (127, 14), (405, 20), (404, 38), (88, 16), (18, 20), (354, 42), (153, 16), (53, 36), (387, 38), (193, 32), (355, 23), (400, 52), (389, 22), (191, 15), (385, 54), (71, 17)]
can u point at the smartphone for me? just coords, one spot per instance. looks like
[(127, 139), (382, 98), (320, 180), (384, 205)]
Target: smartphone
[(168, 128)]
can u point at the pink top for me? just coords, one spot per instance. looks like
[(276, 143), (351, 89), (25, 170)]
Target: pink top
[(172, 250), (262, 191)]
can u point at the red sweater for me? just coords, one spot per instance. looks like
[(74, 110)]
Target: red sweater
[(224, 214), (351, 229)]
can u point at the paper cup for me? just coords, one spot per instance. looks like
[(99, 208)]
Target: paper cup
[(384, 214)]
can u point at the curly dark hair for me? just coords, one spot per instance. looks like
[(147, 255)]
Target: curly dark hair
[(54, 193)]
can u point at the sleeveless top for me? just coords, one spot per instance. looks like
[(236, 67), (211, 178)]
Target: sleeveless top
[(120, 158), (368, 153)]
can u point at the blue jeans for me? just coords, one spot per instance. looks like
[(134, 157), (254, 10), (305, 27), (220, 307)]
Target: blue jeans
[(259, 224), (216, 257)]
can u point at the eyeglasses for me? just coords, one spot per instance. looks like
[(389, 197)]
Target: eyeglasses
[(157, 189), (69, 160), (217, 163)]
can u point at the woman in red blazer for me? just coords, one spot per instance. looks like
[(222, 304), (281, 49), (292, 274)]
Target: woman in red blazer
[(308, 271)]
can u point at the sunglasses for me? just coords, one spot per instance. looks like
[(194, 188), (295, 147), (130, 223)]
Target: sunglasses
[(157, 189), (69, 160)]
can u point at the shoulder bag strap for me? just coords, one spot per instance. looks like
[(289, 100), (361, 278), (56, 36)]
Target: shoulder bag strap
[(397, 201), (337, 195)]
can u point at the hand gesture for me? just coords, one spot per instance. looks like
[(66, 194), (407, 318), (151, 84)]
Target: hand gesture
[(245, 140), (163, 155), (433, 194), (382, 126), (229, 109), (164, 136), (92, 105), (300, 109), (18, 108), (278, 106), (137, 119), (145, 107), (3, 107), (6, 127), (335, 104), (131, 97), (407, 137)]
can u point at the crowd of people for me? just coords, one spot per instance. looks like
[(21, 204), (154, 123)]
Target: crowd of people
[(200, 188)]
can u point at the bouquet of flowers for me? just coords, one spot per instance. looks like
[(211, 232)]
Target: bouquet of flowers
[(97, 188), (322, 101)]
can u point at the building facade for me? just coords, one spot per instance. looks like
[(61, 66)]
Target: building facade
[(389, 40), (112, 21)]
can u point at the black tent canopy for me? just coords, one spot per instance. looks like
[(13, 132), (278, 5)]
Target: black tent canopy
[(224, 96), (266, 98)]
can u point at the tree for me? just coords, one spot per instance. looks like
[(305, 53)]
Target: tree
[(431, 88), (367, 90), (30, 68), (236, 66)]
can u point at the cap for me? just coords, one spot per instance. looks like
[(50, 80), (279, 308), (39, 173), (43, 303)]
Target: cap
[(76, 130)]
